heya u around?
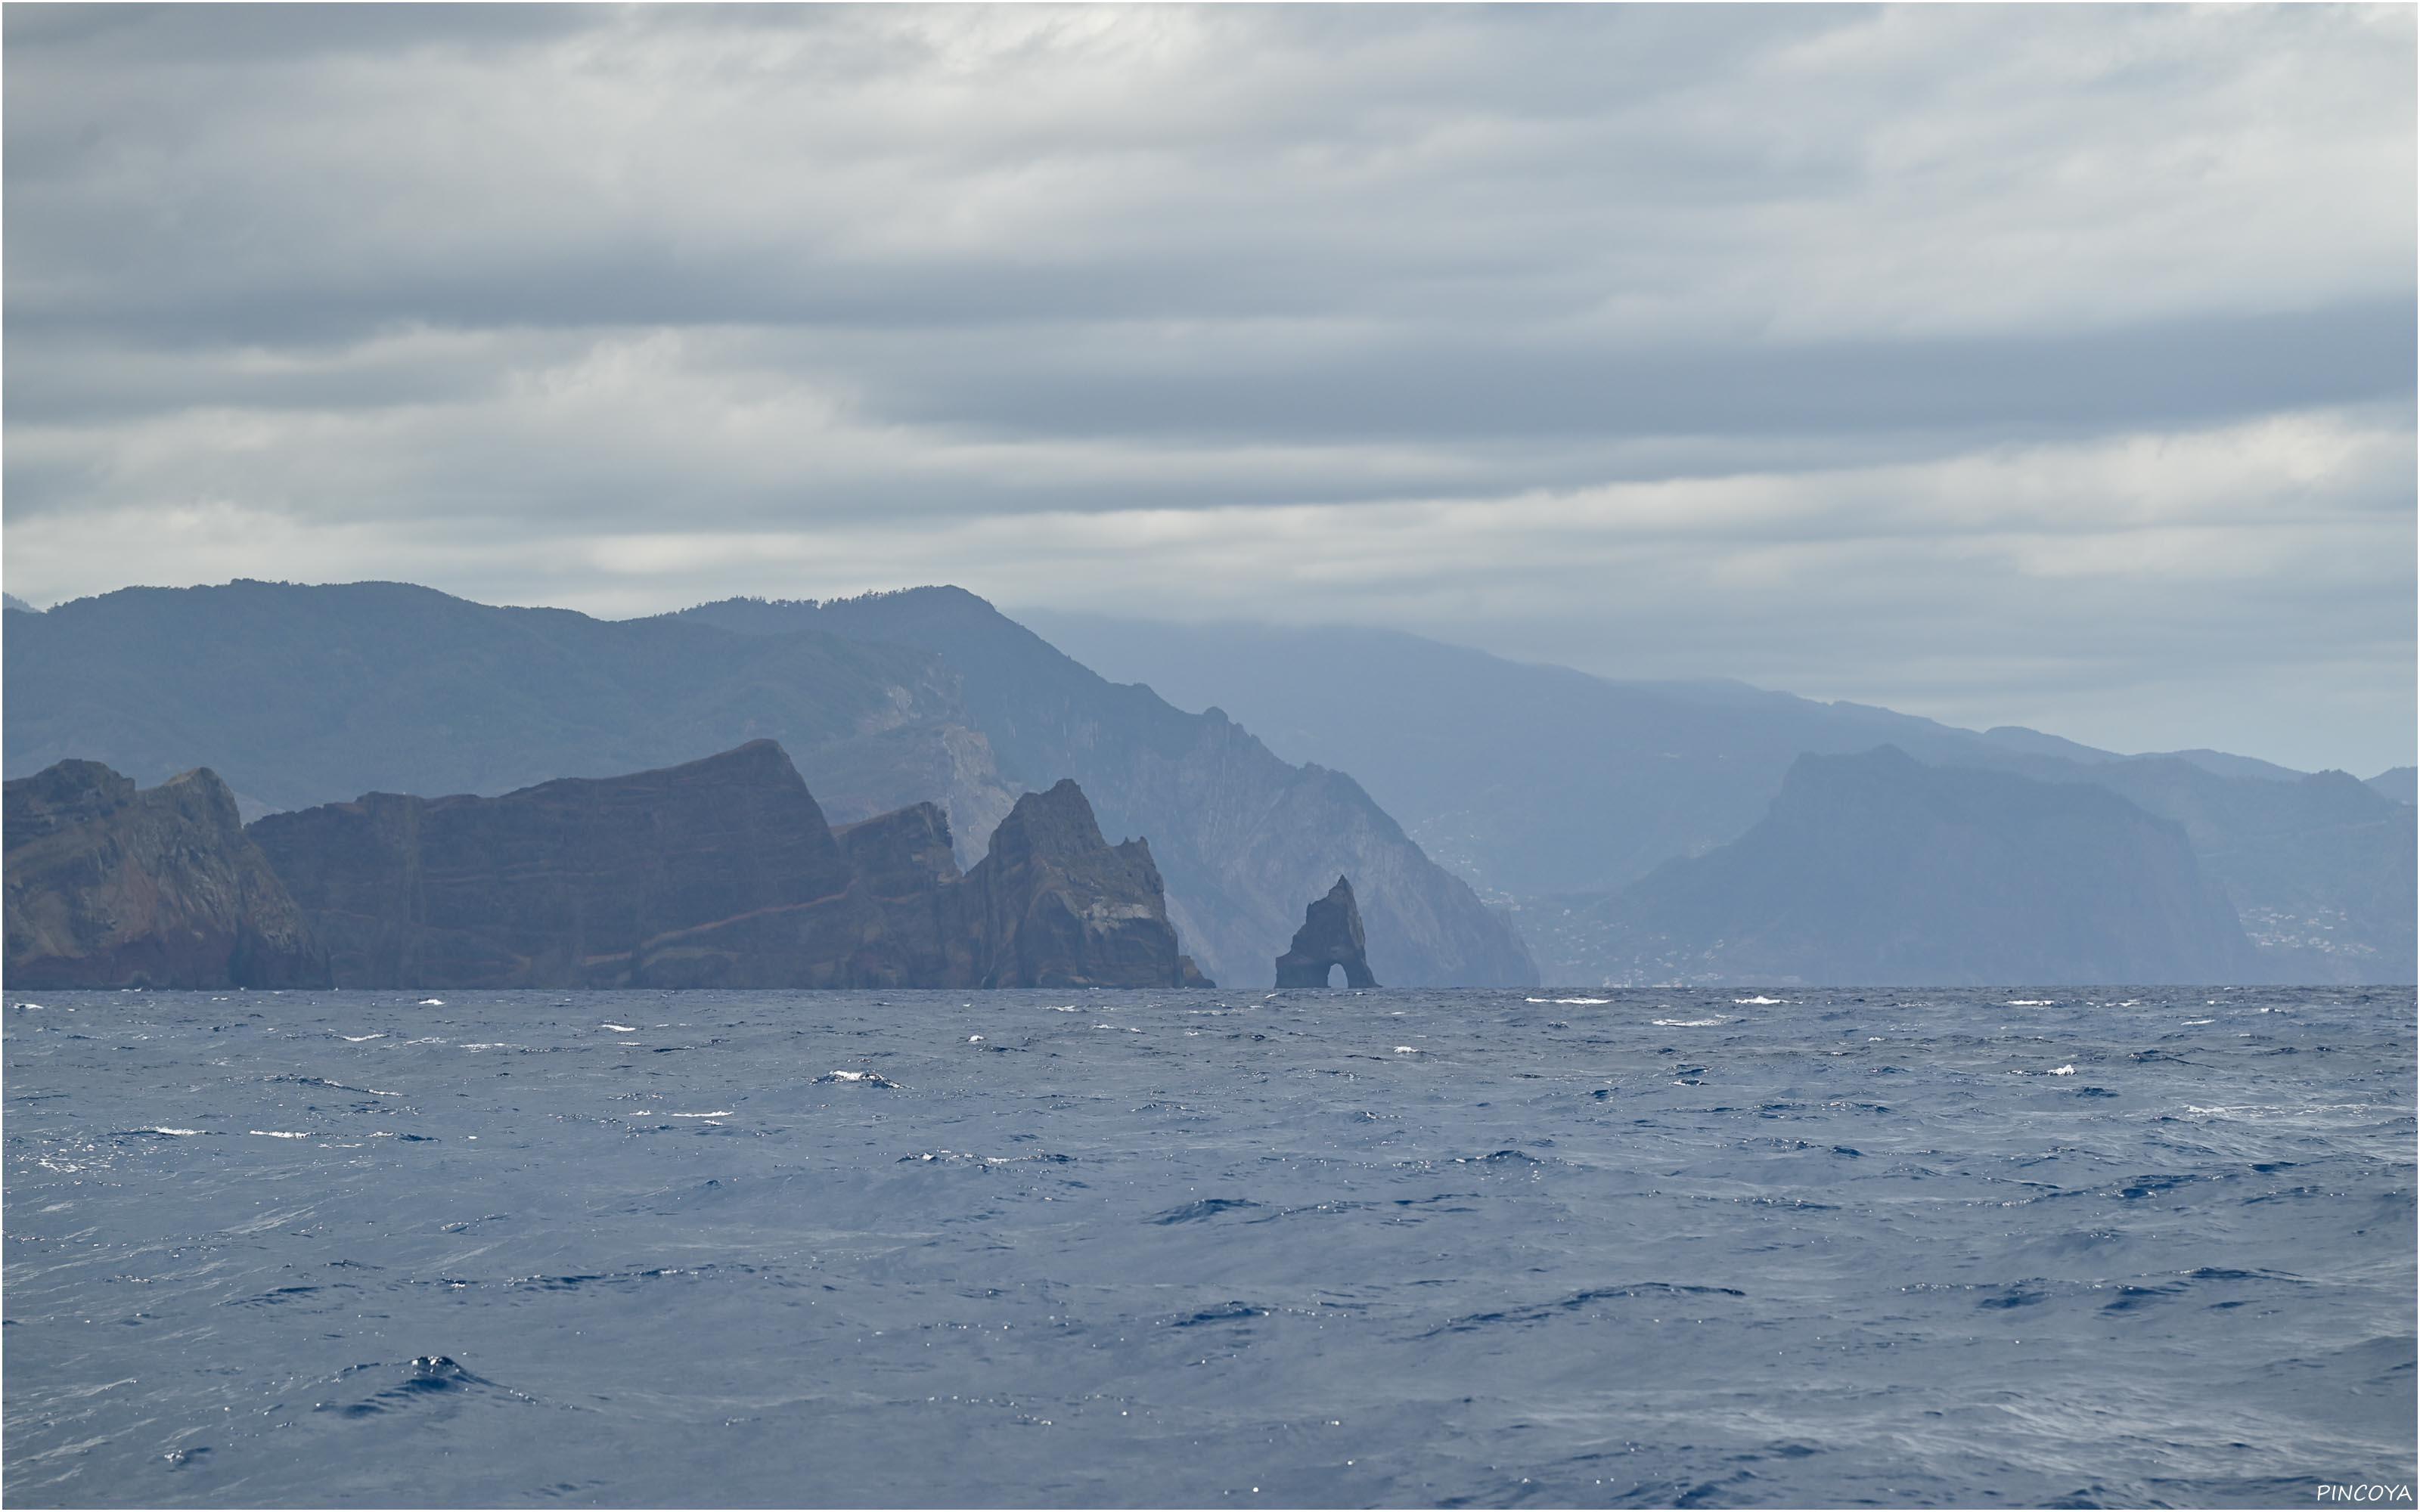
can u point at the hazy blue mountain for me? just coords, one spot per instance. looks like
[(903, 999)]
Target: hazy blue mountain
[(2016, 737), (1876, 869), (1540, 784), (299, 695), (1528, 778), (13, 601), (1241, 836), (2400, 783)]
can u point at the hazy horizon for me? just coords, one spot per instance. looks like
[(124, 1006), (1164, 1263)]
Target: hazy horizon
[(2051, 367)]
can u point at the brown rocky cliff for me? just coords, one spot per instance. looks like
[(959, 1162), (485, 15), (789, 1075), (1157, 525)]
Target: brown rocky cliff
[(1054, 905), (722, 872), (905, 862), (582, 882), (109, 887)]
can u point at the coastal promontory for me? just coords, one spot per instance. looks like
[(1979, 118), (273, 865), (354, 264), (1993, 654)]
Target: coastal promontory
[(720, 872), (108, 885)]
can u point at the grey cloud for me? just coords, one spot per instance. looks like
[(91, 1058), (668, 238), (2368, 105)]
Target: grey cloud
[(829, 298)]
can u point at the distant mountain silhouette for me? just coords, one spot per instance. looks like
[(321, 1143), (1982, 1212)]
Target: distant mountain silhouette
[(301, 695), (13, 601), (1878, 869), (1548, 787), (2401, 783)]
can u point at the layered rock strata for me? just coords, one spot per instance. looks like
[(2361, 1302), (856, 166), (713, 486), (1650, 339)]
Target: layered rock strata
[(722, 872)]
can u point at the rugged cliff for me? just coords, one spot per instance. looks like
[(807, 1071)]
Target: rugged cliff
[(1331, 937), (720, 872), (1055, 906), (1877, 870), (1241, 836), (111, 887)]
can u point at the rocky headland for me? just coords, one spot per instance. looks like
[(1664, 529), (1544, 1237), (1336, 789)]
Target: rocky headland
[(721, 872), (108, 885)]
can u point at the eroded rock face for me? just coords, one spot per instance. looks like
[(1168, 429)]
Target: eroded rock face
[(721, 872), (1331, 937), (111, 887), (1054, 905)]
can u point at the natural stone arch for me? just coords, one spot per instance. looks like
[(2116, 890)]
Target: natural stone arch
[(1331, 937)]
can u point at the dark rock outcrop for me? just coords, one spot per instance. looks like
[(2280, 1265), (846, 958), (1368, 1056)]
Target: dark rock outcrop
[(1240, 835), (111, 887), (1056, 905), (1331, 937), (721, 872)]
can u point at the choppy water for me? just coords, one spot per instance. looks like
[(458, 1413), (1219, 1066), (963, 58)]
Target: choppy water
[(1205, 1249)]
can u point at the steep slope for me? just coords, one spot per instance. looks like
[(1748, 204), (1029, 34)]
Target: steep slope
[(720, 872), (1876, 869), (1053, 905), (1241, 836), (302, 695), (1547, 786), (109, 887), (1530, 779), (2400, 784)]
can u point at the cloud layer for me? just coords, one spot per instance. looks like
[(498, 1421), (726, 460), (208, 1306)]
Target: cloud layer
[(2047, 365)]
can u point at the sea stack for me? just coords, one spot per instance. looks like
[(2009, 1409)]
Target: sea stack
[(1331, 937)]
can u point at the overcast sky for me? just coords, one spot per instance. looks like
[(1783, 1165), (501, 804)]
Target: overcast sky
[(2048, 366)]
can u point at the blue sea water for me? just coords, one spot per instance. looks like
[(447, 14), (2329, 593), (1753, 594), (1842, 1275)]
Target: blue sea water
[(2061, 1247)]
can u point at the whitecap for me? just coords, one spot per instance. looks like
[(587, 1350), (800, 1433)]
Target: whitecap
[(1765, 1002), (1067, 1009), (1407, 1050), (2201, 1021), (279, 1134), (974, 1038), (432, 1002), (165, 1130), (1689, 1024), (724, 1113), (867, 1078), (361, 1038), (2033, 1002), (1591, 1002), (620, 1028), (2062, 1071)]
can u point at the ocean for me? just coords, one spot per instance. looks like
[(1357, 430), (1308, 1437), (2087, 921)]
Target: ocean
[(2067, 1247)]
